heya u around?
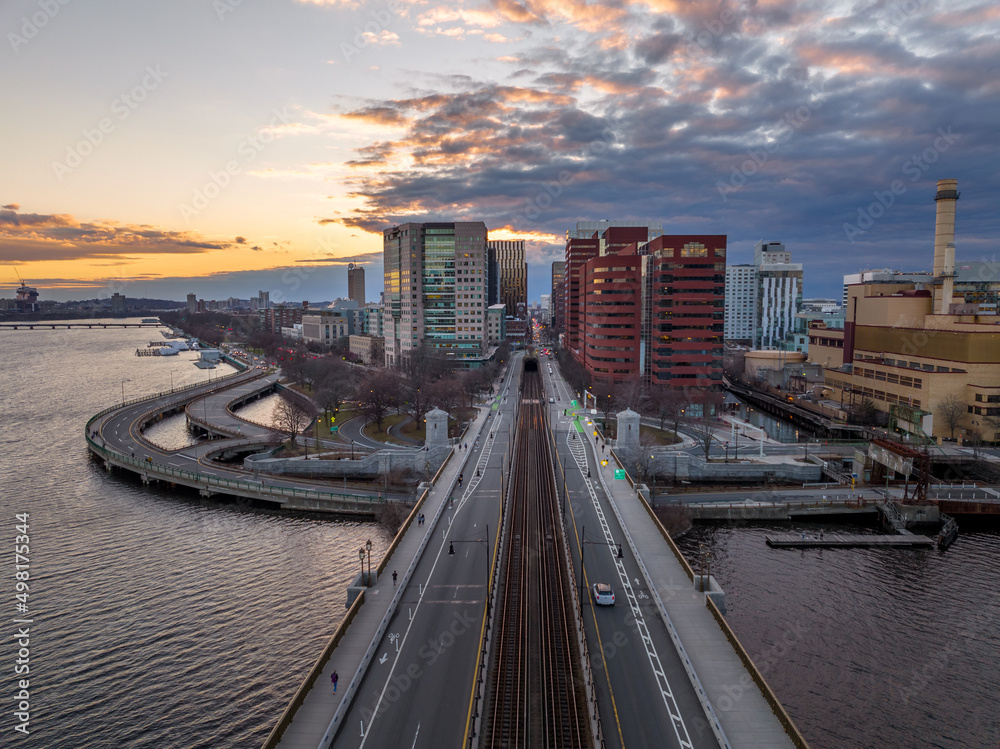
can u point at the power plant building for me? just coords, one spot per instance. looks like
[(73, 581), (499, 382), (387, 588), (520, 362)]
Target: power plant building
[(925, 353)]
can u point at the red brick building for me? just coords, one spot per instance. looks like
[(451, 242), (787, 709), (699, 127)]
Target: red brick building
[(687, 307), (579, 251), (651, 310), (612, 317)]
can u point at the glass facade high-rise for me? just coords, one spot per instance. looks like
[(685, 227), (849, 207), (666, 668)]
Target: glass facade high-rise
[(508, 276), (435, 289)]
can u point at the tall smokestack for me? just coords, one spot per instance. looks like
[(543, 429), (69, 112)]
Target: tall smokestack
[(944, 228), (944, 244)]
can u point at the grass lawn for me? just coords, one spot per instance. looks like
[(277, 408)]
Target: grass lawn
[(415, 431), (665, 437)]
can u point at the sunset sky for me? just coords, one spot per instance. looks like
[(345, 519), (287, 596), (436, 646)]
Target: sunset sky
[(227, 146)]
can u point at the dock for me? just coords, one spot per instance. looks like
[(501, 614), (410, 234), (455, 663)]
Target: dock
[(837, 540)]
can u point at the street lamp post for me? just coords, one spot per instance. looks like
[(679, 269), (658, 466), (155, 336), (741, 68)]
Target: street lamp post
[(352, 449), (123, 390), (361, 557), (368, 548), (486, 541)]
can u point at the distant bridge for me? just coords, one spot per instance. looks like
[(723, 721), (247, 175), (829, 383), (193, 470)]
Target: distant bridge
[(69, 325)]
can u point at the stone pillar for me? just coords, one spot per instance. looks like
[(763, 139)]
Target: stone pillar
[(437, 429), (628, 430)]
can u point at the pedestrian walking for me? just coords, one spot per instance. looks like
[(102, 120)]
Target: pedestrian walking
[(394, 578), (334, 678)]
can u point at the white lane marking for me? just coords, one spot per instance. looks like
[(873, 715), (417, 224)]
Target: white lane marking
[(670, 702), (415, 737)]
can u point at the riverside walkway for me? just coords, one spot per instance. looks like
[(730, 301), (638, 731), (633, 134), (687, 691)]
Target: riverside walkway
[(115, 435)]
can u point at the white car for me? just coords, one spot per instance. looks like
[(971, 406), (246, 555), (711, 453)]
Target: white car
[(603, 595)]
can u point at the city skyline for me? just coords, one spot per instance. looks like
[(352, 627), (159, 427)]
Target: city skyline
[(224, 148)]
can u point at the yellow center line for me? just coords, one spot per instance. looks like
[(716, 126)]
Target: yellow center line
[(479, 648)]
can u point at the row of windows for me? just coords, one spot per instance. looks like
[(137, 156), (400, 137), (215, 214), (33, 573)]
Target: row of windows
[(830, 342), (879, 395), (980, 398), (912, 364), (890, 377)]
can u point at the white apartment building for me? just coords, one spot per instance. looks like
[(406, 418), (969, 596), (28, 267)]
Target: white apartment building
[(741, 303)]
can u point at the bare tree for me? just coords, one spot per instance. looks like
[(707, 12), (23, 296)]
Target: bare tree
[(992, 420), (377, 394), (291, 415), (334, 382), (630, 394), (416, 399), (423, 365), (602, 392), (445, 394), (952, 410), (668, 403), (703, 429)]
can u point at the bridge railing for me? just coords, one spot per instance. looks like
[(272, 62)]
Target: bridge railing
[(251, 488)]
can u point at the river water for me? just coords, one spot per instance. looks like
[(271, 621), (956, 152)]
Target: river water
[(158, 619), (867, 647)]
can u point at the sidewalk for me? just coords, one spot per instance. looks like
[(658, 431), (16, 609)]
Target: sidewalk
[(745, 716), (313, 719)]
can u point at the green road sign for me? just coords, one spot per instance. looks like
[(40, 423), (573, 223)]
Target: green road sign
[(334, 428), (573, 403), (619, 473)]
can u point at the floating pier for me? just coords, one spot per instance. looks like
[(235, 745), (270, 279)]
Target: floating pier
[(832, 540)]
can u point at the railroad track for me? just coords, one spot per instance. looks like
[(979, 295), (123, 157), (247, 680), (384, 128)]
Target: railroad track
[(534, 696)]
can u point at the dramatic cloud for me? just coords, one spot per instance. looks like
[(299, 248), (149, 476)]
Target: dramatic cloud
[(32, 237), (773, 120)]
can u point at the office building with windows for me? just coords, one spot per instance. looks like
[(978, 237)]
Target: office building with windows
[(436, 292)]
